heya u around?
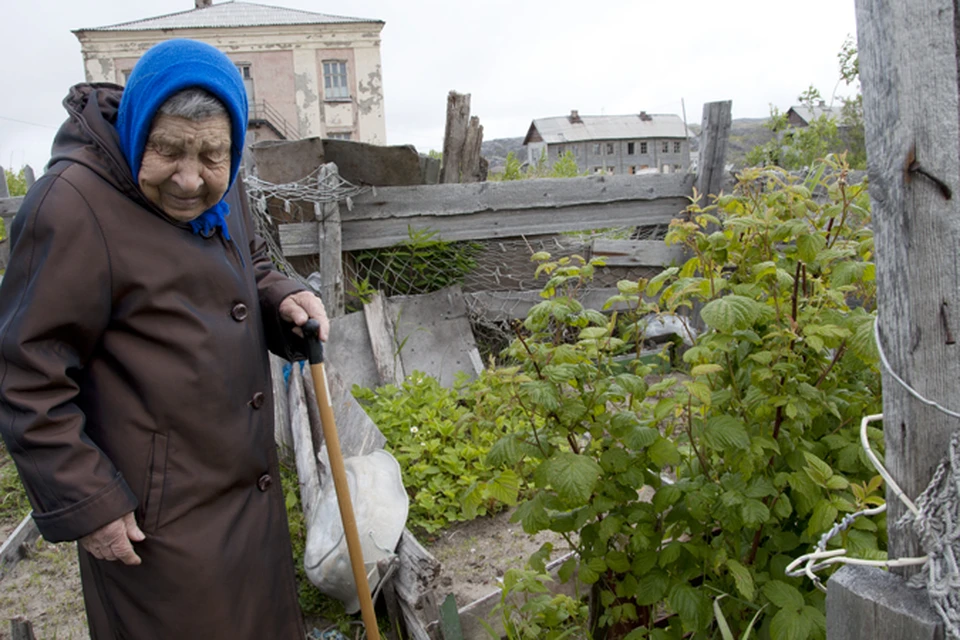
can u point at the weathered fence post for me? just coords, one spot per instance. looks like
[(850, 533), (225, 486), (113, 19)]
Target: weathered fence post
[(331, 262), (4, 191), (714, 134), (21, 629), (28, 175), (470, 162), (455, 135), (908, 70)]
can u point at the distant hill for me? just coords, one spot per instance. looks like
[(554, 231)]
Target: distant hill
[(745, 134)]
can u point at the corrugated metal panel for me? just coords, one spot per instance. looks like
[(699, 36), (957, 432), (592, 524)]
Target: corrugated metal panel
[(230, 14), (561, 130)]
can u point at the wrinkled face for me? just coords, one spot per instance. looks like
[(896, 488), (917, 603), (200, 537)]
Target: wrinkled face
[(185, 168)]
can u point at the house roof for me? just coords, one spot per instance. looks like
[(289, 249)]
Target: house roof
[(810, 113), (231, 14), (575, 128)]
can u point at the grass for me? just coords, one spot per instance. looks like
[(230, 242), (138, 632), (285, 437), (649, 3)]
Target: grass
[(14, 505)]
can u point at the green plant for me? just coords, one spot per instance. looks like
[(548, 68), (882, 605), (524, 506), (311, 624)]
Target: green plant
[(421, 264), (743, 459), (16, 182), (565, 167), (529, 611), (443, 460), (14, 505)]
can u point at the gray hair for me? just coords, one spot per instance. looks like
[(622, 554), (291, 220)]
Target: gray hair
[(193, 104)]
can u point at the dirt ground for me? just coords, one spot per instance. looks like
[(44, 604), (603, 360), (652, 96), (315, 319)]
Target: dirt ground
[(44, 587)]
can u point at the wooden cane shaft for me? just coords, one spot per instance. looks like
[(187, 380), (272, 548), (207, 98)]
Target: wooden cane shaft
[(339, 473)]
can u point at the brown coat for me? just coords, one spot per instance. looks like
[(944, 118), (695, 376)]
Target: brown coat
[(134, 377)]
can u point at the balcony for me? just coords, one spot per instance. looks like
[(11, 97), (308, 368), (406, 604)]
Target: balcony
[(264, 115)]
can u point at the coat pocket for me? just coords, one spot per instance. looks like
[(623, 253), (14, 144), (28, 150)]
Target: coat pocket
[(153, 491)]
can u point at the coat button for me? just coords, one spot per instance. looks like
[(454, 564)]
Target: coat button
[(257, 400), (264, 482), (239, 312)]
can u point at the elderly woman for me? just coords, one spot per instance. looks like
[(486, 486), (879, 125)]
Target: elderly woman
[(135, 392)]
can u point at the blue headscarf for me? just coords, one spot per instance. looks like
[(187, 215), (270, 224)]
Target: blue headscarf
[(167, 69)]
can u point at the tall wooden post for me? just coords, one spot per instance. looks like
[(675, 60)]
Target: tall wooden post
[(455, 136), (331, 262), (4, 191), (909, 74), (714, 135)]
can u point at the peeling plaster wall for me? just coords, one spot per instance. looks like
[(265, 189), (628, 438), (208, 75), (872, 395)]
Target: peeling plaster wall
[(286, 66)]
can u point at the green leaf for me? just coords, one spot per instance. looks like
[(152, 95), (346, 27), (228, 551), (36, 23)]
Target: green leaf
[(818, 470), (666, 496), (823, 518), (788, 624), (654, 286), (504, 453), (505, 487), (731, 313), (532, 514), (705, 369), (642, 437), (688, 603), (651, 587), (573, 476), (700, 391), (726, 432), (670, 554), (783, 595), (809, 245), (754, 513), (541, 394), (664, 453), (742, 578), (617, 561)]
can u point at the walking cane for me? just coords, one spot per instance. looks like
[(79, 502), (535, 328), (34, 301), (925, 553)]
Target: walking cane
[(311, 330)]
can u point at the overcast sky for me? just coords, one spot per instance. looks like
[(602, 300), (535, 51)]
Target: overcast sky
[(520, 59)]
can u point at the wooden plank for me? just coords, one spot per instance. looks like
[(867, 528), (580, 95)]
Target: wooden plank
[(865, 603), (10, 206), (455, 135), (299, 238), (381, 331), (434, 334), (281, 410), (329, 239), (714, 133), (416, 582), (908, 69), (4, 191), (307, 472), (15, 546), (470, 163), (29, 176), (638, 253), (21, 629)]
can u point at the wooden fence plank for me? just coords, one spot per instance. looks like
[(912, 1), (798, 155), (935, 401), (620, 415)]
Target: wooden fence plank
[(329, 238), (4, 191), (487, 210), (10, 206), (470, 162), (380, 328), (637, 253), (21, 629)]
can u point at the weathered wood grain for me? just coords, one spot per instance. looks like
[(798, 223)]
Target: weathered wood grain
[(416, 583), (14, 547), (21, 629), (487, 210), (329, 243), (9, 206), (908, 69), (470, 162), (637, 253), (455, 135), (715, 132), (307, 472), (4, 191), (866, 603), (381, 331)]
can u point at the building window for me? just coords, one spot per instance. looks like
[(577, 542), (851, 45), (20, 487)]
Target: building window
[(560, 151), (339, 135), (609, 148), (643, 148), (125, 75), (632, 170), (598, 169), (335, 80), (676, 146), (596, 149), (677, 167), (665, 147), (630, 148), (244, 70)]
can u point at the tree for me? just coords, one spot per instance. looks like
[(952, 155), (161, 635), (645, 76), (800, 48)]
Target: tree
[(16, 182)]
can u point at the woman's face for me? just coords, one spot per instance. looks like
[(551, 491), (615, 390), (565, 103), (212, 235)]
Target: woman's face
[(185, 168)]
